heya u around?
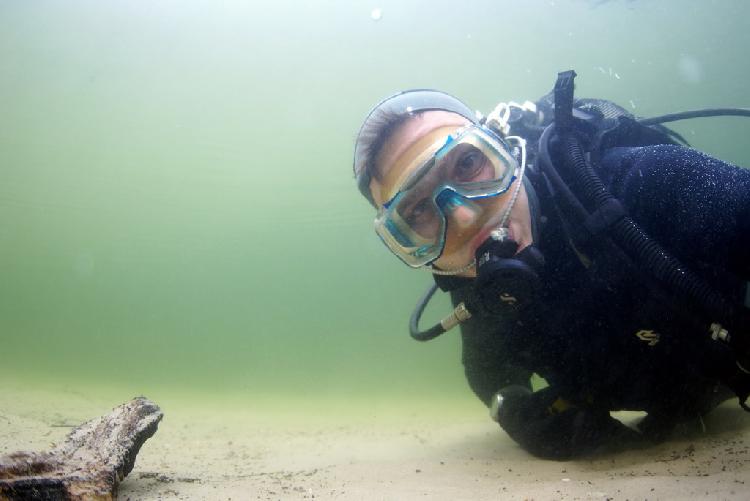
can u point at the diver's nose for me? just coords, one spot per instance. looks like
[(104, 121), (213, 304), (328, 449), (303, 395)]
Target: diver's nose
[(464, 215), (461, 211)]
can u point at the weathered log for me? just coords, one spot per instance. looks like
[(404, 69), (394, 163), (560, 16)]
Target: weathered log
[(91, 462)]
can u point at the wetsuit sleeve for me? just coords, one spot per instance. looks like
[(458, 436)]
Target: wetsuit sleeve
[(550, 427), (488, 369), (487, 365), (536, 421), (694, 204)]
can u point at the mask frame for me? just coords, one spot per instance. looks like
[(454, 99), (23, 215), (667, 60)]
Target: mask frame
[(417, 250)]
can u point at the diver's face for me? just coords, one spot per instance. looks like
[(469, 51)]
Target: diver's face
[(465, 231)]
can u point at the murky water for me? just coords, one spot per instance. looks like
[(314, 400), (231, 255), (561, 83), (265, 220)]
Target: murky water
[(177, 209)]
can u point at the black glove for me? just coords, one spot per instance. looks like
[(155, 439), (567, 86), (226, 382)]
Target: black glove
[(547, 427)]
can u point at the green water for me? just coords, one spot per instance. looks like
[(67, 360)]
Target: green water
[(177, 209)]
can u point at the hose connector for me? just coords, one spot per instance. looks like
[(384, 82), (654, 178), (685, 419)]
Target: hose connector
[(459, 315), (719, 333)]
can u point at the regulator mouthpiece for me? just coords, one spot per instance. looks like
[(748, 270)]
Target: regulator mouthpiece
[(507, 280)]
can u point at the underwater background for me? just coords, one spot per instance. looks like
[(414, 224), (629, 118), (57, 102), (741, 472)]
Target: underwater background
[(178, 214)]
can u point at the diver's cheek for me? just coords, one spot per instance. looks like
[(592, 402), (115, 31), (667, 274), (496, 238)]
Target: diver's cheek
[(461, 225), (458, 238), (465, 222)]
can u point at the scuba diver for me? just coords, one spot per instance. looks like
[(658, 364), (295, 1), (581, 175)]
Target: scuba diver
[(577, 242)]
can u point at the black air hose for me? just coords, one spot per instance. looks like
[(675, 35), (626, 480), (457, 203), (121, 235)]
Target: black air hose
[(642, 248), (593, 187), (433, 331), (708, 112)]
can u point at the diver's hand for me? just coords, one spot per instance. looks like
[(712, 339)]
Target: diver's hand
[(549, 427)]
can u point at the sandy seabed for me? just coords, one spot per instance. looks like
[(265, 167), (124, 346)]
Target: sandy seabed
[(265, 448)]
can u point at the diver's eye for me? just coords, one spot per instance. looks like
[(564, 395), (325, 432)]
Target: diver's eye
[(419, 214), (468, 166)]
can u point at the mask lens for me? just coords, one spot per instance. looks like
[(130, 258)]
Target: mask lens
[(414, 231), (419, 212), (465, 164)]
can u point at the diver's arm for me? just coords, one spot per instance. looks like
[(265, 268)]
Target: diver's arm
[(486, 360), (550, 427), (696, 205), (486, 381), (540, 422)]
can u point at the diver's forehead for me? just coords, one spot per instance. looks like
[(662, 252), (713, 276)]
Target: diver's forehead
[(396, 158)]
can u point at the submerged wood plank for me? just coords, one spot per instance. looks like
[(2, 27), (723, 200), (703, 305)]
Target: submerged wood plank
[(91, 462)]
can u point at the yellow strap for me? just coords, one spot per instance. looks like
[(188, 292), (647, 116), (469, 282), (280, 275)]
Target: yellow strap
[(560, 405)]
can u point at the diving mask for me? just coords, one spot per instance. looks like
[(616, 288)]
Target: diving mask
[(448, 183)]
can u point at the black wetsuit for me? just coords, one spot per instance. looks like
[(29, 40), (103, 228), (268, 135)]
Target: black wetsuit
[(600, 338)]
